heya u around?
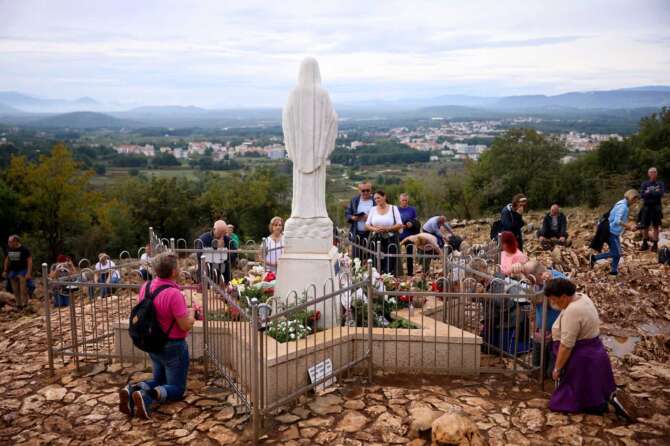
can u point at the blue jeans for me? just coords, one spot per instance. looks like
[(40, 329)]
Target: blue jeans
[(170, 369), (104, 292), (614, 243)]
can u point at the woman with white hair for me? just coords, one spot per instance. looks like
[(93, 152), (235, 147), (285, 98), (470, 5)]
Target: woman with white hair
[(618, 222)]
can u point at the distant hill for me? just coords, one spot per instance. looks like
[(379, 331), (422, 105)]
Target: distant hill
[(83, 120), (7, 110), (628, 99), (32, 104)]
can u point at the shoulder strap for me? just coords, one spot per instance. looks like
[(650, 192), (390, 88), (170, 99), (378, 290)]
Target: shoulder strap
[(155, 294), (393, 213)]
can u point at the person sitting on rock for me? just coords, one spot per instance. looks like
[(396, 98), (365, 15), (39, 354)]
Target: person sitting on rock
[(554, 230), (170, 365), (145, 263), (582, 367), (510, 256), (106, 272)]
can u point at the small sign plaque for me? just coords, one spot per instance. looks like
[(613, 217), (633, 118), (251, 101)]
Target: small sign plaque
[(319, 371)]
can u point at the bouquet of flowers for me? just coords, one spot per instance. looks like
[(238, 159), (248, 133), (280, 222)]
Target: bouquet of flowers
[(287, 330)]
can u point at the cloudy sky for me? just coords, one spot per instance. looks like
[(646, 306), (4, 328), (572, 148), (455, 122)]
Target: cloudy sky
[(244, 53)]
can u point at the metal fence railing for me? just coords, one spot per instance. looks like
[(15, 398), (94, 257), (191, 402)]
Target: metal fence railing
[(457, 315)]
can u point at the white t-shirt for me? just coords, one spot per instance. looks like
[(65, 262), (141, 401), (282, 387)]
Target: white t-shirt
[(100, 266), (363, 206), (145, 259), (273, 249), (384, 220)]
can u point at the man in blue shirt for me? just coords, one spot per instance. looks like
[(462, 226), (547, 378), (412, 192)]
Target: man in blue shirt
[(651, 213), (618, 221), (436, 226), (410, 227)]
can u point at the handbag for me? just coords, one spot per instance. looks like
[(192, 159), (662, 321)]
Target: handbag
[(386, 235)]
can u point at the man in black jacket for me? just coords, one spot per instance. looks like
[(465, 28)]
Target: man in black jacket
[(554, 230), (651, 213), (511, 218), (356, 215)]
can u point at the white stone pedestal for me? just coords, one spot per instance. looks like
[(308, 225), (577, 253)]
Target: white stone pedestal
[(297, 271)]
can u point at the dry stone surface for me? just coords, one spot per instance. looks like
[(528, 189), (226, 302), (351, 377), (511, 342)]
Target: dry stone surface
[(80, 407)]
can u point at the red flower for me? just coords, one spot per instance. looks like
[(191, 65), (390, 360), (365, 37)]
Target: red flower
[(436, 287), (316, 316), (405, 299), (269, 276)]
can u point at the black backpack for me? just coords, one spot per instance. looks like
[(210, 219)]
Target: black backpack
[(143, 327), (664, 255), (496, 228)]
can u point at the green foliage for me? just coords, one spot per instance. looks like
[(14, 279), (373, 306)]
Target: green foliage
[(402, 323), (54, 196), (380, 152), (164, 160), (130, 161), (519, 161)]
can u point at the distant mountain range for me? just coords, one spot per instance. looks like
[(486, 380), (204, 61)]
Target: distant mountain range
[(83, 120), (86, 113), (33, 104)]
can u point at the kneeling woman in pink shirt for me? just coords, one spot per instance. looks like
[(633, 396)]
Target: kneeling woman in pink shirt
[(170, 366), (510, 254)]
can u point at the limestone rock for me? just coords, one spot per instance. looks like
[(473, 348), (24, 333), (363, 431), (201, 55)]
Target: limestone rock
[(316, 422), (389, 423), (570, 435), (53, 392), (422, 419), (325, 405), (354, 405), (454, 429), (222, 435), (287, 418), (352, 421)]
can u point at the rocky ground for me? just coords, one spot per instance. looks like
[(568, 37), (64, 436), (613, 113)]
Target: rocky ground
[(78, 408)]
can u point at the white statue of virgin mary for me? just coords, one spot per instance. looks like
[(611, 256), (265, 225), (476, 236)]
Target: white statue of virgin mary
[(310, 128)]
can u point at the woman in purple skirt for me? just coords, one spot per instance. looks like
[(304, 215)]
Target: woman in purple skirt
[(582, 366)]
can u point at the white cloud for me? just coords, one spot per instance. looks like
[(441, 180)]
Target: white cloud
[(222, 52)]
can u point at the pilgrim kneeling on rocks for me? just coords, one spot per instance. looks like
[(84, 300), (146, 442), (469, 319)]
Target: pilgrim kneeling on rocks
[(582, 367)]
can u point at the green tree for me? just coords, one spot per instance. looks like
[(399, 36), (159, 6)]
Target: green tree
[(519, 161), (55, 197)]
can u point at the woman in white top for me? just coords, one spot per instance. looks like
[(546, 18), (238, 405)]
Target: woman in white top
[(384, 223), (104, 273), (273, 246)]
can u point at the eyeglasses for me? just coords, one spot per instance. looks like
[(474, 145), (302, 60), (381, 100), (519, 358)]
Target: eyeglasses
[(365, 190)]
